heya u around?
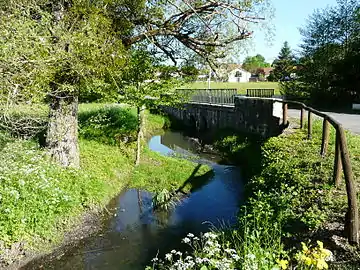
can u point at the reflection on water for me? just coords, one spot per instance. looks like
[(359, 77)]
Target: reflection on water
[(135, 234)]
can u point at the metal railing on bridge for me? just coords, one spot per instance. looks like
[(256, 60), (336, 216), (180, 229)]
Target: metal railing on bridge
[(211, 96), (265, 93)]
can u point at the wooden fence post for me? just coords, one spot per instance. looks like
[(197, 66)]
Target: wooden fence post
[(325, 137), (352, 219), (302, 117), (309, 126), (285, 113), (337, 162)]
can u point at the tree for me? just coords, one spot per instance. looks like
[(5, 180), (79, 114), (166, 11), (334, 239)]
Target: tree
[(330, 54), (252, 63), (144, 83), (54, 51), (284, 63), (51, 51)]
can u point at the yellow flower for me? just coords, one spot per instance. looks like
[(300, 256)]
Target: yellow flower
[(320, 244), (304, 247), (321, 264), (326, 252), (308, 261), (282, 263)]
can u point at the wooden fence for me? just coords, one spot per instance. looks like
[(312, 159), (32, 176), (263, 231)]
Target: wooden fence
[(341, 162)]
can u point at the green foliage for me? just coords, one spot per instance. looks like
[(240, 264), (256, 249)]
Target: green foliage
[(110, 125), (252, 63), (294, 90), (144, 82), (284, 63), (35, 193), (330, 55), (44, 50), (243, 149), (163, 200), (40, 199), (157, 172)]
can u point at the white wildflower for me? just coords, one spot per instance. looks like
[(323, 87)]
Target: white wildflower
[(168, 256), (186, 240)]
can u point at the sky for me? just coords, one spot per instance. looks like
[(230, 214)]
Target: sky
[(289, 16)]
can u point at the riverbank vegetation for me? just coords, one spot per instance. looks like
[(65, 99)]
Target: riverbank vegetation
[(293, 213), (40, 199)]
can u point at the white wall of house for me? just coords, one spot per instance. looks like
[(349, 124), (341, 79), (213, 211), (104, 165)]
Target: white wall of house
[(239, 75)]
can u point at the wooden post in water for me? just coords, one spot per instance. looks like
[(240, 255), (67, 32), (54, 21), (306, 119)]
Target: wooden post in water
[(325, 138), (302, 117), (285, 113), (352, 217), (337, 162), (309, 126)]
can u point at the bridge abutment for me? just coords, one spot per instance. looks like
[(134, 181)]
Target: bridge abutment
[(250, 115)]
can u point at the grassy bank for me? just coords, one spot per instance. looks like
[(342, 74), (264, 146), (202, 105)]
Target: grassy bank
[(40, 200), (241, 87), (293, 214)]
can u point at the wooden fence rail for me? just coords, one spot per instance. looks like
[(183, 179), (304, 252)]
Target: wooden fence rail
[(341, 162), (342, 157)]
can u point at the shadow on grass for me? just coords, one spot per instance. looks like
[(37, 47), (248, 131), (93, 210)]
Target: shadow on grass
[(195, 182)]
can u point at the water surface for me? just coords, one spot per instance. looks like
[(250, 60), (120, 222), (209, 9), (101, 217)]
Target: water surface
[(134, 233)]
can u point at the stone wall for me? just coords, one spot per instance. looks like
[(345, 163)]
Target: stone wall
[(250, 115)]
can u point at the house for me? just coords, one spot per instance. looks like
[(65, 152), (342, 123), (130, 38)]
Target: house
[(239, 75), (264, 72), (236, 74)]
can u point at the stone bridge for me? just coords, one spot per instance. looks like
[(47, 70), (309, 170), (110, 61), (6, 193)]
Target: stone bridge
[(251, 115)]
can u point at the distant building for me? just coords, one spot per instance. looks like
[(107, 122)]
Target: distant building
[(238, 75), (264, 72)]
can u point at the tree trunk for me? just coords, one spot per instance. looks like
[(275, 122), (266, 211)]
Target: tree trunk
[(62, 132), (140, 133)]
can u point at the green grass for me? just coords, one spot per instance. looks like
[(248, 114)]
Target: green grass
[(40, 199), (290, 197), (241, 87)]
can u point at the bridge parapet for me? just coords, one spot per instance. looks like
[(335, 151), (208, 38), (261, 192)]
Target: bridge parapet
[(248, 115)]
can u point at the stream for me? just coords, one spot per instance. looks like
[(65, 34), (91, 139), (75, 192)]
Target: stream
[(134, 234)]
